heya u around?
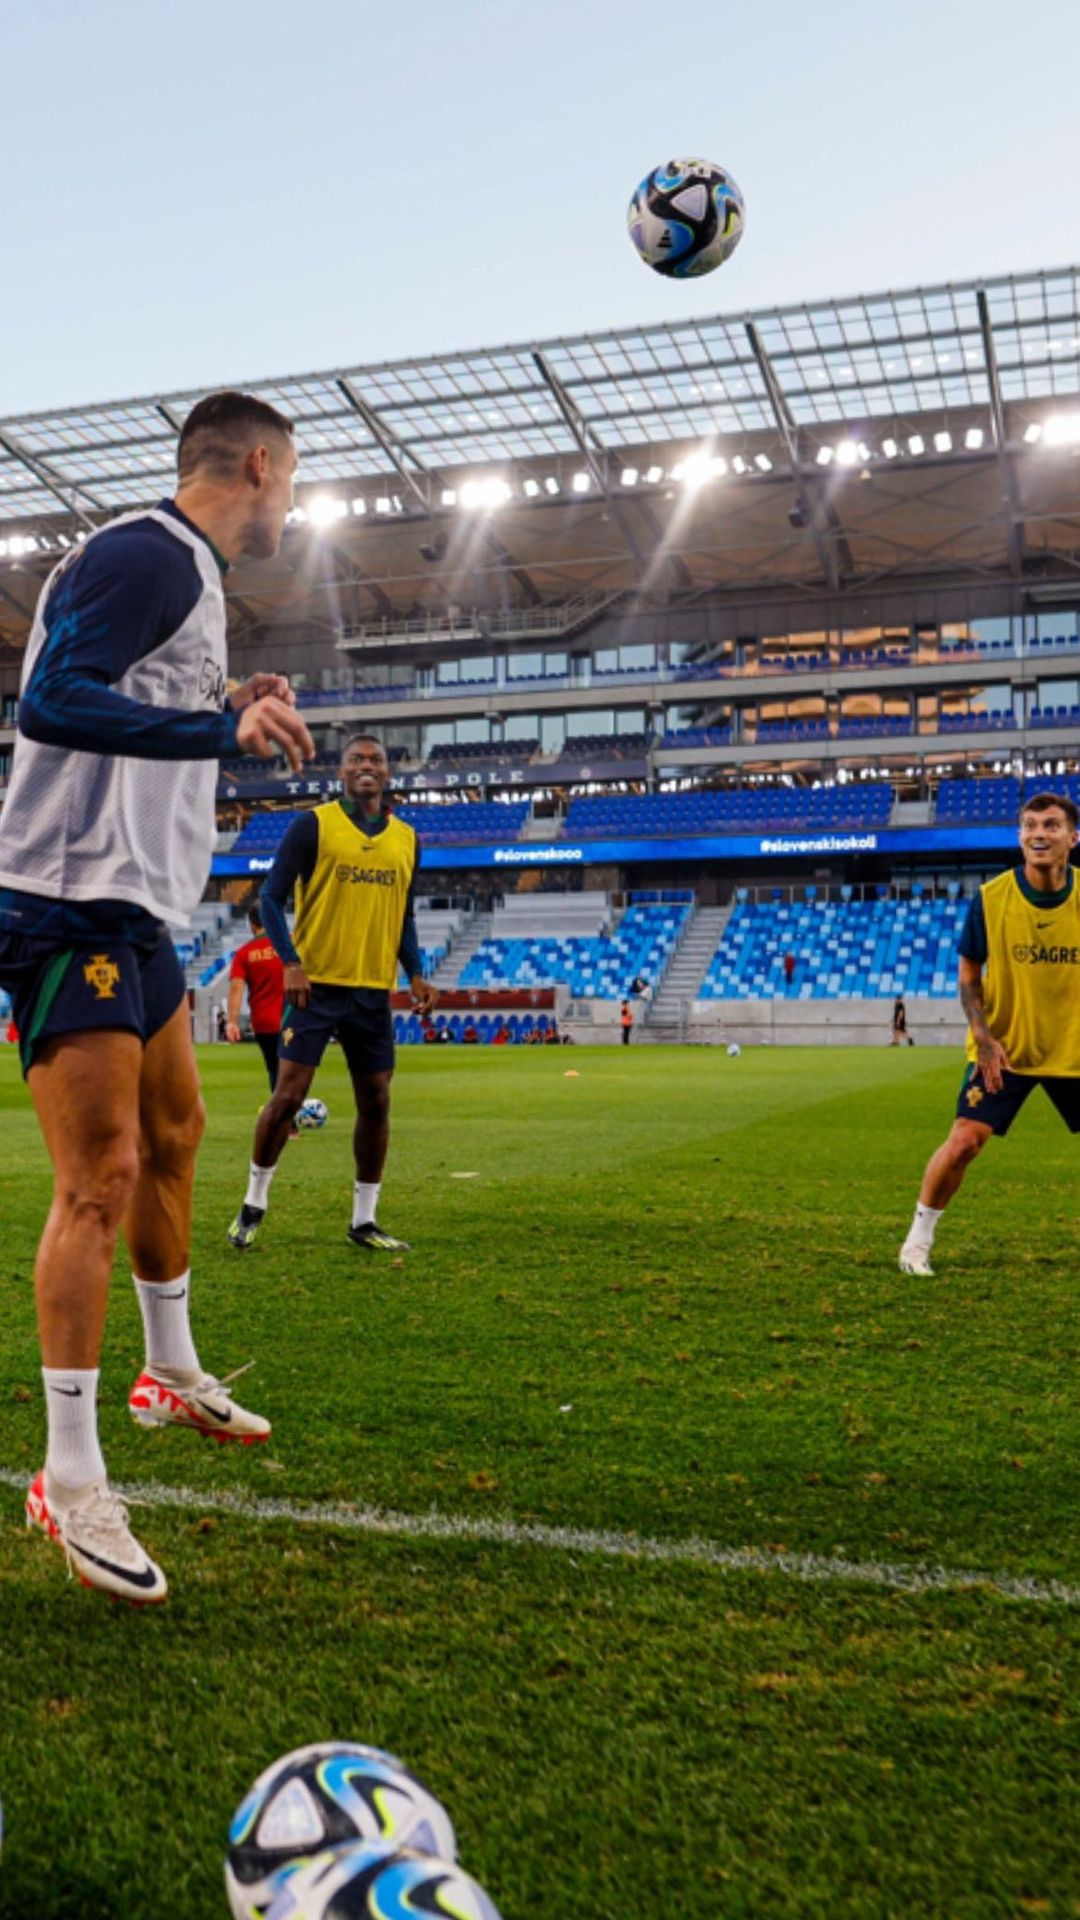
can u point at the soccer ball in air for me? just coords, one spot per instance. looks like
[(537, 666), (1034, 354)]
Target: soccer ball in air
[(686, 218), (323, 1797), (312, 1115), (375, 1882), (734, 1050)]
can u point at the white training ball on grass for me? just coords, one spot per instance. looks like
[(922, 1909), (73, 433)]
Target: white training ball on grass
[(734, 1050)]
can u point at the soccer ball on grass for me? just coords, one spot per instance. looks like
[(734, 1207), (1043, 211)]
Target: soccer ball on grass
[(312, 1115), (686, 218), (375, 1882), (322, 1797)]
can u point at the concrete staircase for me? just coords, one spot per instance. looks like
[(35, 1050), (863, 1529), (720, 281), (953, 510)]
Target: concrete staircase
[(462, 948), (686, 971)]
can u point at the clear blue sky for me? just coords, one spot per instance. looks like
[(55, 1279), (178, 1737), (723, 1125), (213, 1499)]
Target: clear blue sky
[(199, 193)]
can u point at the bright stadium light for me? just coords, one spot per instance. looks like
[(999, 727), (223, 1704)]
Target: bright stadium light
[(1032, 434), (581, 483), (325, 509), (762, 463), (825, 456), (916, 444), (973, 439), (943, 441), (296, 517), (889, 448), (629, 477), (484, 493), (383, 505), (738, 465), (551, 485), (448, 497), (1062, 430), (359, 505), (654, 476), (530, 489), (847, 453)]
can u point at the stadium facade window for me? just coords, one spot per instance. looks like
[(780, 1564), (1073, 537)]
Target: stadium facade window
[(521, 726), (556, 663), (630, 720), (606, 660), (525, 666), (552, 732), (591, 721), (441, 734), (632, 657)]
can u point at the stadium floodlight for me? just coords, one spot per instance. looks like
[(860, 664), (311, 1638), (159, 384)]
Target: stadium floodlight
[(762, 463), (1032, 434), (581, 483), (325, 509), (1062, 430), (825, 456), (943, 441), (449, 496), (628, 477), (916, 444), (383, 505), (654, 476), (889, 448), (738, 465), (3, 549), (973, 439), (359, 505), (484, 493), (847, 453), (296, 517), (697, 468)]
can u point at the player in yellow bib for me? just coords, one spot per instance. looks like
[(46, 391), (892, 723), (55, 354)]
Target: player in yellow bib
[(353, 868), (1020, 989)]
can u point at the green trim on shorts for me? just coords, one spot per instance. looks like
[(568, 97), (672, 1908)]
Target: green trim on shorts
[(52, 980)]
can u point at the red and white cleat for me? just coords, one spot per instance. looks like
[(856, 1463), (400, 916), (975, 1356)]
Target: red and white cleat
[(91, 1525), (202, 1402)]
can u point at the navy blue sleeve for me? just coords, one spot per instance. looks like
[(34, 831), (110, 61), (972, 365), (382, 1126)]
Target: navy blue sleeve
[(117, 600), (409, 953), (295, 860), (972, 944)]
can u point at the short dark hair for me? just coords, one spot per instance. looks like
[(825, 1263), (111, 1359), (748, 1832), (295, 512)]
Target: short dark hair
[(372, 737), (1042, 802), (255, 914), (222, 428)]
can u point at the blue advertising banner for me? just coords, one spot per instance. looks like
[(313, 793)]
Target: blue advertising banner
[(739, 846)]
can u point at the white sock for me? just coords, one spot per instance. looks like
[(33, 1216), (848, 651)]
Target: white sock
[(365, 1201), (164, 1308), (924, 1224), (258, 1193), (74, 1455)]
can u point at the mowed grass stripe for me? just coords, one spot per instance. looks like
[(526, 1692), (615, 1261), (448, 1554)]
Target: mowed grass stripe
[(817, 1569)]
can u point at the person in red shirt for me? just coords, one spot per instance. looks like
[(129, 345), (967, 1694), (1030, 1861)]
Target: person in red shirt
[(256, 967)]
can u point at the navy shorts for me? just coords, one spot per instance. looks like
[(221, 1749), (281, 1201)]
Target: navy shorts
[(357, 1016), (57, 988), (999, 1110)]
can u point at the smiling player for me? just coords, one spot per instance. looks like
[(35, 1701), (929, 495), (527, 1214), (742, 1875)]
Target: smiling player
[(1023, 928)]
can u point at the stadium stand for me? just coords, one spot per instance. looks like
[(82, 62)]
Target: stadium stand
[(865, 804), (996, 800), (599, 966), (463, 822), (854, 949)]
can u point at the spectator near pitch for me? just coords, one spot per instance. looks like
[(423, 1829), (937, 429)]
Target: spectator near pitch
[(353, 867), (1023, 928), (256, 967)]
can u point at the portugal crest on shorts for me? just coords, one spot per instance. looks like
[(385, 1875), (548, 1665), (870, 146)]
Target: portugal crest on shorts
[(102, 974), (974, 1095)]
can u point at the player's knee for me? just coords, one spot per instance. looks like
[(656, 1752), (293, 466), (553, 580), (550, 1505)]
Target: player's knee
[(965, 1145), (284, 1105), (170, 1148), (97, 1196), (373, 1102)]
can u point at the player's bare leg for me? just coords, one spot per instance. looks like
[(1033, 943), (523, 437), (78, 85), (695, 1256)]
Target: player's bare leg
[(371, 1142), (174, 1388), (272, 1130), (85, 1088), (943, 1177)]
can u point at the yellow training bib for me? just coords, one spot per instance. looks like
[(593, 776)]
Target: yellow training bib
[(350, 914), (1031, 981)]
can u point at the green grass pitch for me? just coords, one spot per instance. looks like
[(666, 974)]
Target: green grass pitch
[(665, 1305)]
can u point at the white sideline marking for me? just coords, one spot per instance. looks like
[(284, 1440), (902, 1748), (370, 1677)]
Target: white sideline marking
[(813, 1568)]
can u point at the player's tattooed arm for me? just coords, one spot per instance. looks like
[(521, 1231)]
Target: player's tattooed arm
[(993, 1060)]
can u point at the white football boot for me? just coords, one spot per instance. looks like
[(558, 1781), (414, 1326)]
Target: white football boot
[(91, 1525), (915, 1258), (197, 1400)]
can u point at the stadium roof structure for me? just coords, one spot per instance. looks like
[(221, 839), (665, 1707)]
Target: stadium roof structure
[(813, 447)]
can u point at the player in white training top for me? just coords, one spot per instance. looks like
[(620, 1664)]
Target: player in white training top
[(105, 840)]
